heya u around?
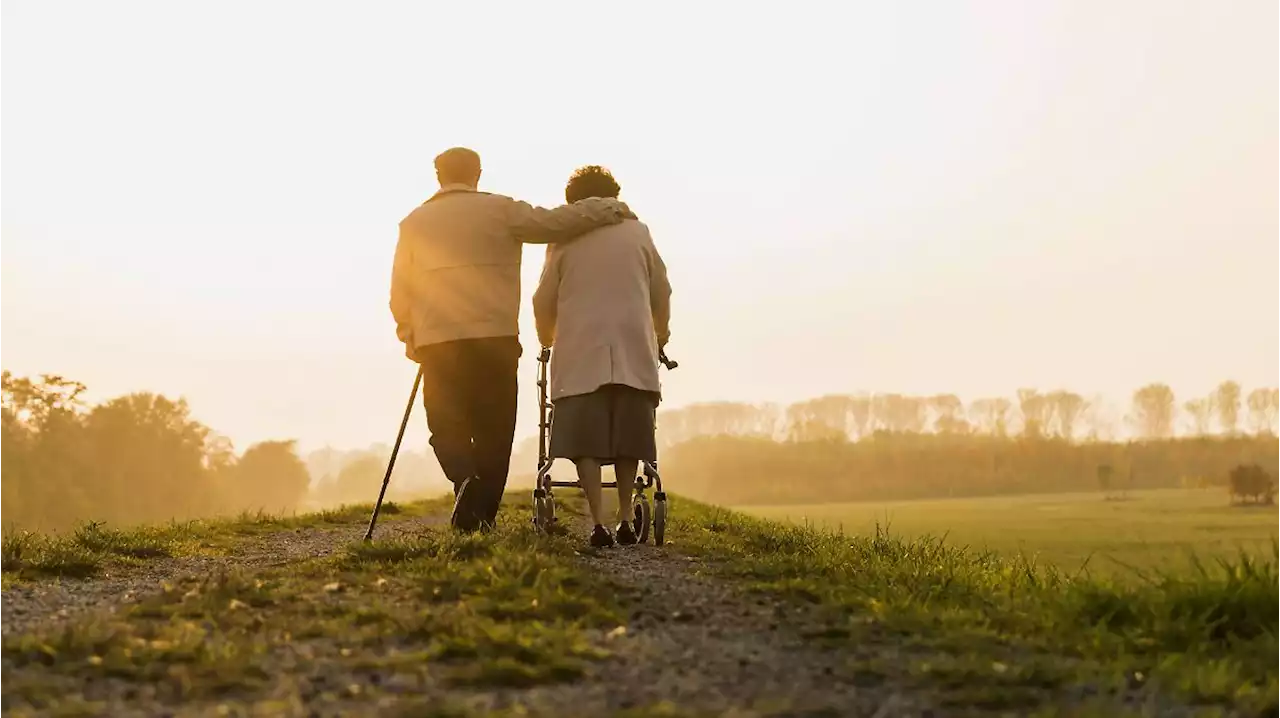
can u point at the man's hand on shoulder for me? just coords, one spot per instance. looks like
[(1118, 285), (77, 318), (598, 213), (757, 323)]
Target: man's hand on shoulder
[(626, 211), (535, 225), (616, 207)]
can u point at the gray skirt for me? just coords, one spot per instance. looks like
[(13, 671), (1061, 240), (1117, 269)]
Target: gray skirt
[(613, 422)]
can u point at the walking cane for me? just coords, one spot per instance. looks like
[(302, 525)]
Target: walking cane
[(408, 409)]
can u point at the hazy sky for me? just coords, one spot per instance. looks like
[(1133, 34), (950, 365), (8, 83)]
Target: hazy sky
[(201, 199)]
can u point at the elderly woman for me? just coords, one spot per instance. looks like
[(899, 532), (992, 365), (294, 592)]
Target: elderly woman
[(603, 303)]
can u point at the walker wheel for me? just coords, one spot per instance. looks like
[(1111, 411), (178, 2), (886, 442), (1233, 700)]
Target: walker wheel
[(641, 518)]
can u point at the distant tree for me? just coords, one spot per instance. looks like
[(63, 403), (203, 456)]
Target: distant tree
[(947, 411), (1226, 401), (1273, 410), (270, 476), (916, 413), (898, 413), (1269, 402), (831, 411), (991, 416), (1201, 413), (48, 473), (801, 420), (33, 402), (860, 415), (14, 459), (1260, 410), (765, 420), (1154, 410), (150, 457), (1251, 484), (321, 462), (952, 426), (220, 457), (220, 466), (821, 418), (1099, 419), (1036, 411), (882, 419), (358, 482), (716, 418), (806, 430), (1067, 408)]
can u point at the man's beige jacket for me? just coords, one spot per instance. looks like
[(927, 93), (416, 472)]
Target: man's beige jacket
[(456, 273), (604, 305)]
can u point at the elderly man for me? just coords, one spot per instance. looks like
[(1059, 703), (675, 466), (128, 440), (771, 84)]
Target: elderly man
[(603, 303), (455, 296)]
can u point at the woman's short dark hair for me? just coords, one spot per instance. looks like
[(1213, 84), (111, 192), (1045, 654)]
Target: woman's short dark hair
[(590, 181)]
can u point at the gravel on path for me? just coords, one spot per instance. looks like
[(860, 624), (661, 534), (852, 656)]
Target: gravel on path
[(707, 646), (36, 604)]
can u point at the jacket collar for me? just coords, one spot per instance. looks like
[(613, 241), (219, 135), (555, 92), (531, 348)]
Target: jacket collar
[(453, 187)]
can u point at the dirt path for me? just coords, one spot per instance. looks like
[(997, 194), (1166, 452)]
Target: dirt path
[(50, 602), (710, 648)]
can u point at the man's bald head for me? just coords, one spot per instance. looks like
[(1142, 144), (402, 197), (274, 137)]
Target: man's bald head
[(458, 165)]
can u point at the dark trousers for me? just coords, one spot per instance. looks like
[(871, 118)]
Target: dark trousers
[(469, 391)]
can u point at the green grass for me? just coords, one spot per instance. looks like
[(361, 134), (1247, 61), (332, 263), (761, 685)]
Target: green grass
[(87, 550), (93, 547), (254, 523), (1149, 529), (509, 608), (981, 630)]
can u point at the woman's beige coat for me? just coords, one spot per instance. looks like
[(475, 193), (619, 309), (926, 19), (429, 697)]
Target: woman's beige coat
[(604, 306)]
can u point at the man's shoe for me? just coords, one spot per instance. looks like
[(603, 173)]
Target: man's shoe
[(464, 516), (600, 537), (626, 535)]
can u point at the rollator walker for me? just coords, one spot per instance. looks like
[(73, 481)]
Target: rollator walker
[(544, 504)]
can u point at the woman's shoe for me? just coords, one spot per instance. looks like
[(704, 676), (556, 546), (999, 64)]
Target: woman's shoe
[(626, 535), (600, 537)]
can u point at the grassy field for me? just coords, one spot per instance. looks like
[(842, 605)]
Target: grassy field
[(980, 631), (429, 623), (1146, 530)]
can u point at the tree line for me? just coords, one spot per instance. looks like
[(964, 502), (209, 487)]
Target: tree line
[(891, 446), (730, 469), (132, 459), (142, 458), (1154, 414)]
